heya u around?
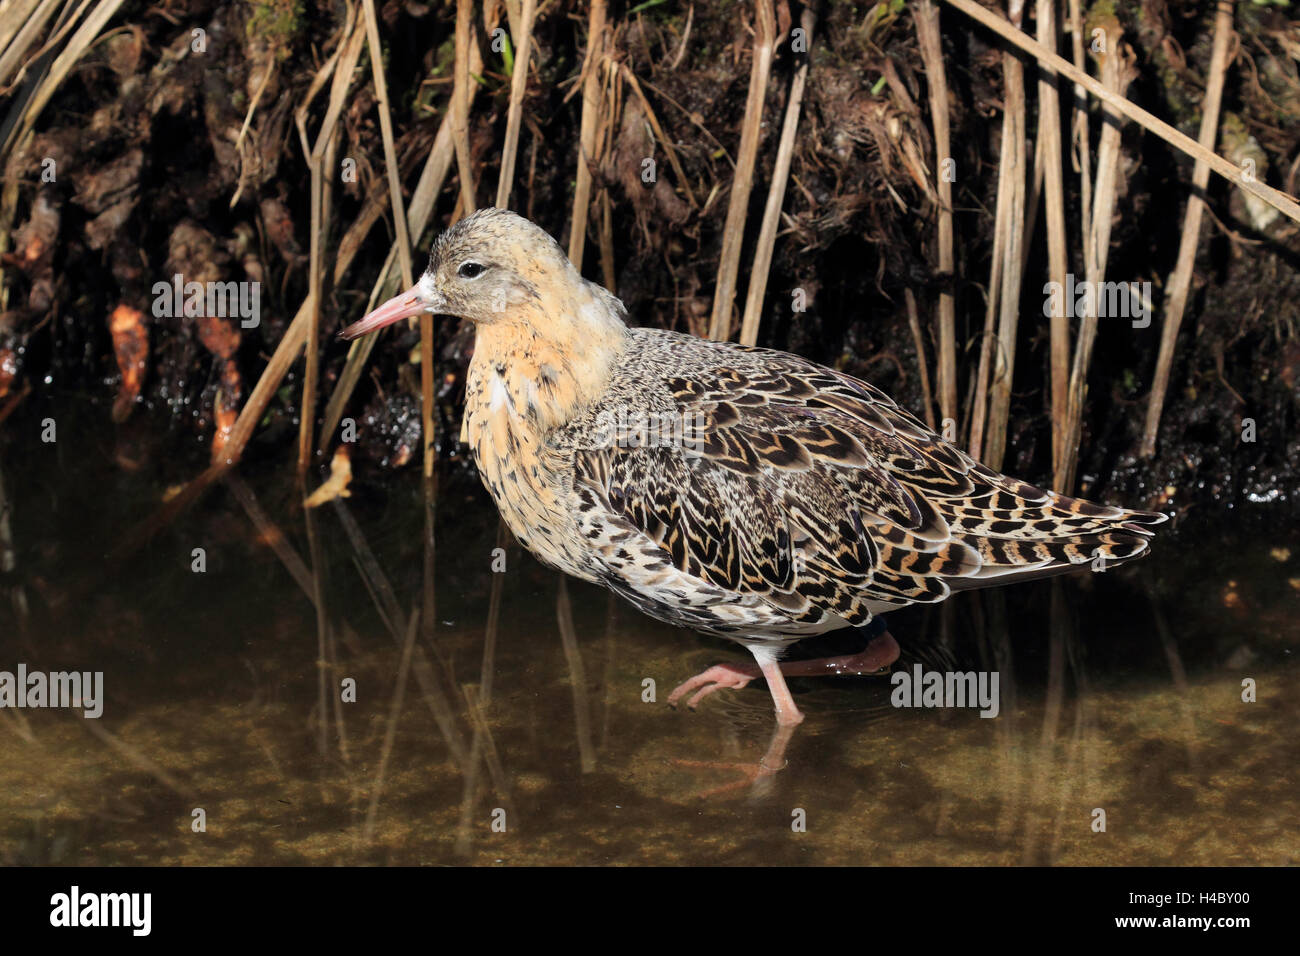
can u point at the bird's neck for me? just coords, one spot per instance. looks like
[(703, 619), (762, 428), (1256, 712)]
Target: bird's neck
[(547, 360), (532, 372)]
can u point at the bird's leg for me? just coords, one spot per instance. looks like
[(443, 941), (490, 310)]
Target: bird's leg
[(787, 714), (877, 655)]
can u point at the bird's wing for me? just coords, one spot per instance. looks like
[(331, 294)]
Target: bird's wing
[(815, 492)]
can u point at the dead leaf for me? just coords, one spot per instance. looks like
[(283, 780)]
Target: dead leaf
[(336, 486)]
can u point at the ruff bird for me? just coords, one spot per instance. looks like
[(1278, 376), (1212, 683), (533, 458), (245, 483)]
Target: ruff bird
[(743, 492)]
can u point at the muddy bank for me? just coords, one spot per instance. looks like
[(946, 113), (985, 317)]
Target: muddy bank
[(160, 156)]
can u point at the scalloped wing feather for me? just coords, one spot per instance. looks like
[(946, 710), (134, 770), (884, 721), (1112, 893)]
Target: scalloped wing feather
[(813, 500)]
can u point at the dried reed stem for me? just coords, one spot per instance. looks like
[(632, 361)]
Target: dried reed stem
[(926, 19), (1052, 167), (59, 70), (390, 152), (1117, 102), (1014, 152), (1117, 74), (342, 82), (733, 233), (918, 340), (460, 107), (1181, 280), (518, 86), (758, 275), (21, 22), (592, 107), (418, 214), (1002, 227)]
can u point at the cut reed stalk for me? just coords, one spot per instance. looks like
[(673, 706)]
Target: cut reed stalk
[(1119, 104), (1181, 280), (1002, 226), (1052, 167), (307, 410), (758, 275), (926, 20), (1034, 196), (21, 22), (918, 340), (1082, 145), (518, 86), (733, 233), (460, 107), (418, 214), (59, 70), (390, 152), (1081, 155), (1013, 156), (607, 275), (592, 107), (342, 82), (1116, 74)]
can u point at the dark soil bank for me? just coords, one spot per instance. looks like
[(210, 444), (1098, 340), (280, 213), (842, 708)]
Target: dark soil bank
[(172, 148)]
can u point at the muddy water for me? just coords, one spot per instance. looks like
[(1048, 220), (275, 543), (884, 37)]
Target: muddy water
[(1120, 694)]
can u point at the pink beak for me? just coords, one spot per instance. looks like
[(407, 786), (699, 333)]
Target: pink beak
[(402, 306)]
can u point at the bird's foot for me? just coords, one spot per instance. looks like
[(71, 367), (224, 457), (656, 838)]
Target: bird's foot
[(875, 658), (715, 678)]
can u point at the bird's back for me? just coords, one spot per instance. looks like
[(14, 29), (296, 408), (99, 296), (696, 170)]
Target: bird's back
[(748, 491)]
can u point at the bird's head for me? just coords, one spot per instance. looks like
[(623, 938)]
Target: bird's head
[(491, 267)]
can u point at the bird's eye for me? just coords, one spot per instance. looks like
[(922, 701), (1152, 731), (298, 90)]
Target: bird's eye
[(470, 270)]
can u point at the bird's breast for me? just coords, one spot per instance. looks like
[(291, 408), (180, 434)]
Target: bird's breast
[(506, 432)]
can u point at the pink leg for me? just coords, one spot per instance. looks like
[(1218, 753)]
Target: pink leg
[(879, 654), (715, 678), (787, 714)]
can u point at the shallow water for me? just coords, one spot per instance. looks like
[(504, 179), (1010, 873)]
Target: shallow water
[(1119, 692)]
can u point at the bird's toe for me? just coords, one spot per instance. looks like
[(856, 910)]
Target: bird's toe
[(715, 678)]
